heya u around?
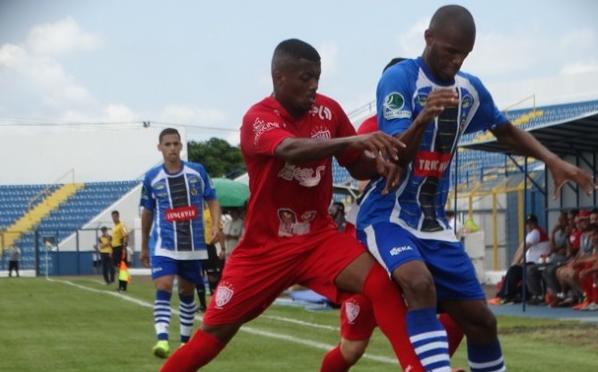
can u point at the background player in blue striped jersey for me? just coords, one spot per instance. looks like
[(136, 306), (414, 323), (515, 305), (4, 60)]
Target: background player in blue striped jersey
[(429, 104), (172, 199)]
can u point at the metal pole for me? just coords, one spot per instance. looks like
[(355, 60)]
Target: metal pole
[(524, 285), (456, 185), (77, 249), (36, 255), (494, 233)]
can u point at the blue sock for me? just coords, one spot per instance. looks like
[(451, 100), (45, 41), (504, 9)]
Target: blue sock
[(187, 311), (162, 314), (428, 339), (485, 358)]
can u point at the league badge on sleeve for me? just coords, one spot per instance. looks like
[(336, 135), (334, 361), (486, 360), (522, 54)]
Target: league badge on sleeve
[(394, 104)]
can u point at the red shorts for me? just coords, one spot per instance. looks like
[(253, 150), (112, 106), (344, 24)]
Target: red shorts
[(254, 277), (357, 318)]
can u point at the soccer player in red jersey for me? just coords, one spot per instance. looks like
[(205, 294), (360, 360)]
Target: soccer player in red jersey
[(288, 140)]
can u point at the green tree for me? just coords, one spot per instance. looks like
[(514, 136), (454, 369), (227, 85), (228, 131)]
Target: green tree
[(218, 157)]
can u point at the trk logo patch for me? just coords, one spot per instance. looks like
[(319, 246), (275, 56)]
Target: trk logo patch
[(224, 294), (431, 164)]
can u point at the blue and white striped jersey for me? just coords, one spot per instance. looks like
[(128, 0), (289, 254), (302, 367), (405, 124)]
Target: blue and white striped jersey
[(177, 201), (418, 202)]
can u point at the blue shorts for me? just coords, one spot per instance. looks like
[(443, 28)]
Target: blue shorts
[(190, 270), (451, 267)]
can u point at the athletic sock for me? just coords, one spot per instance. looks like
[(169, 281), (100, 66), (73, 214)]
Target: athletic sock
[(187, 313), (454, 333), (334, 362), (389, 311), (201, 295), (485, 358), (199, 351), (429, 339), (162, 314)]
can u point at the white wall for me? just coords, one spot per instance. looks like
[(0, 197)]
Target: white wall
[(38, 155)]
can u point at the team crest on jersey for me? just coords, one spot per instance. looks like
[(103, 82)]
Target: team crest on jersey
[(320, 133), (321, 111), (351, 311), (224, 294), (394, 104), (466, 101)]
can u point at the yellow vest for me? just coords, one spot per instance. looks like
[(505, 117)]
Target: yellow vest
[(105, 246), (207, 225), (119, 231)]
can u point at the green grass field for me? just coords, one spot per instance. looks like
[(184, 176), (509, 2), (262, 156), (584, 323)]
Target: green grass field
[(85, 326)]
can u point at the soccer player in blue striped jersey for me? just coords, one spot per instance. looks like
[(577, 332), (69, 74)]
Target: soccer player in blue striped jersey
[(172, 199), (428, 104)]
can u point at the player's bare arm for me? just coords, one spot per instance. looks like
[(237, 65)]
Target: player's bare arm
[(435, 104), (523, 143), (368, 167), (147, 217), (303, 150), (216, 213)]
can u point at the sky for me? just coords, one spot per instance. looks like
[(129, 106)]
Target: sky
[(202, 64)]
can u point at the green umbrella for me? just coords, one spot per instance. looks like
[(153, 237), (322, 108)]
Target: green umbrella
[(231, 193)]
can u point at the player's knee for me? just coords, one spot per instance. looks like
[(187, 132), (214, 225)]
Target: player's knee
[(481, 327), (353, 350), (419, 287), (223, 332)]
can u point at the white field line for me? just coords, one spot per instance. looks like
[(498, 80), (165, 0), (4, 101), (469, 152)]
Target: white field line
[(250, 330)]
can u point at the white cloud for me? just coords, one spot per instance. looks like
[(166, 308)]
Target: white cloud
[(35, 62), (580, 67), (412, 43), (65, 35), (179, 113), (329, 56)]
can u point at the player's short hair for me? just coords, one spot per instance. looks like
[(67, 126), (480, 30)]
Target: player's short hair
[(115, 212), (104, 228), (453, 17), (293, 50), (393, 62), (167, 131)]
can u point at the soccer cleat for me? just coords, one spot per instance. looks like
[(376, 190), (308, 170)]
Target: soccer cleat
[(161, 349)]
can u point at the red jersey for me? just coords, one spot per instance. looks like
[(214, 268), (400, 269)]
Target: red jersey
[(369, 125), (289, 202)]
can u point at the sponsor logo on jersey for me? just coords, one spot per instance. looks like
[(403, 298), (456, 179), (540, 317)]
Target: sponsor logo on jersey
[(351, 311), (224, 293), (394, 104), (431, 164), (181, 214), (307, 177), (321, 111), (260, 126), (398, 250)]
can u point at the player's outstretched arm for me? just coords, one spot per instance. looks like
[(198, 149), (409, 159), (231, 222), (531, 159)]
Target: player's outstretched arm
[(303, 150), (523, 143), (146, 225)]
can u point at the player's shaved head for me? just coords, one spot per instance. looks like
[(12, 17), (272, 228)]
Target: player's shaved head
[(449, 40), (290, 51), (453, 18)]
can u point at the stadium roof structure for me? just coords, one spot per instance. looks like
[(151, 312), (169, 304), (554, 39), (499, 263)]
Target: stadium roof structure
[(565, 129)]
